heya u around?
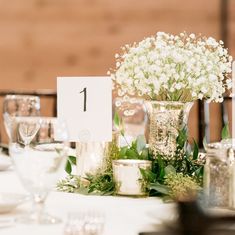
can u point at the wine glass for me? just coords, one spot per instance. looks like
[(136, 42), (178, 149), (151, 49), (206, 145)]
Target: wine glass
[(38, 149), (19, 105), (134, 117)]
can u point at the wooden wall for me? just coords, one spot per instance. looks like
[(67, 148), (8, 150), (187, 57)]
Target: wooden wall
[(43, 39)]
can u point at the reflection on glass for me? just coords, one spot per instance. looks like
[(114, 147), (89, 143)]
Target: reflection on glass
[(38, 149), (133, 114), (19, 105)]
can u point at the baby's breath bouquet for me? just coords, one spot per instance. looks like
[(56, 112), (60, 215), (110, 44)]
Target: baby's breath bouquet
[(167, 67)]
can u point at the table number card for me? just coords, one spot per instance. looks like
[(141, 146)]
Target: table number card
[(86, 105)]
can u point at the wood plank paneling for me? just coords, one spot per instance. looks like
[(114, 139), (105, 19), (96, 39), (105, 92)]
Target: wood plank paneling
[(43, 39)]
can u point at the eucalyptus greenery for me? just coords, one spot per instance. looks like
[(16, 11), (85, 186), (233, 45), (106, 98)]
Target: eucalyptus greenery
[(172, 179), (186, 170), (188, 166), (100, 183)]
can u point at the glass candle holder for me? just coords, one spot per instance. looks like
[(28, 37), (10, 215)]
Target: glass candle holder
[(92, 156), (218, 175), (128, 177)]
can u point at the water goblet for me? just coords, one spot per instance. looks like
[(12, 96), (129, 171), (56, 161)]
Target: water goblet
[(19, 105), (38, 149)]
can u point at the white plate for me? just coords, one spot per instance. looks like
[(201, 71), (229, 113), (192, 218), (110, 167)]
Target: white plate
[(9, 201), (5, 162)]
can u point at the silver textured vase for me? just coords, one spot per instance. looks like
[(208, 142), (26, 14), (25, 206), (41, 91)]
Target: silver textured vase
[(165, 120), (94, 156)]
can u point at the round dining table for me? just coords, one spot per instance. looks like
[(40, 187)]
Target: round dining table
[(122, 215)]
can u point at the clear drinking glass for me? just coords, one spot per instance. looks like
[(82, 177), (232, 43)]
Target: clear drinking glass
[(133, 114), (19, 105), (38, 148)]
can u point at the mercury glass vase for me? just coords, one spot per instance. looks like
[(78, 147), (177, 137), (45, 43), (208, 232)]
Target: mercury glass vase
[(165, 120), (93, 156)]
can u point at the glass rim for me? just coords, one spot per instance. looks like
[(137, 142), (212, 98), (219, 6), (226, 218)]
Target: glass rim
[(131, 162), (168, 102), (37, 118), (13, 96), (42, 122)]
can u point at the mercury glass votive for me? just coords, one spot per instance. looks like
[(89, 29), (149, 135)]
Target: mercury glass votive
[(128, 178), (92, 156), (219, 175), (89, 157)]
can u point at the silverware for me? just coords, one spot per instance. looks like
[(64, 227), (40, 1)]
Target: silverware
[(84, 223)]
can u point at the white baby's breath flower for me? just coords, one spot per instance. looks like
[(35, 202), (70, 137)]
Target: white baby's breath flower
[(192, 35), (118, 103), (120, 92), (204, 90), (178, 86), (165, 63), (200, 96)]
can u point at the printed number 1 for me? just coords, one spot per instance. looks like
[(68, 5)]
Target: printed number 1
[(85, 99)]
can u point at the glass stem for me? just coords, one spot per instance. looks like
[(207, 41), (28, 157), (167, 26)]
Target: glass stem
[(38, 208)]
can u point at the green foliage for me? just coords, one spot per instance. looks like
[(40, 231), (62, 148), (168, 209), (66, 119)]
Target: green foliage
[(182, 138), (186, 164), (160, 188), (70, 184), (204, 142), (118, 123), (181, 186), (140, 143), (148, 175), (68, 167), (101, 183), (225, 134), (137, 150), (164, 179), (169, 170), (70, 161), (195, 150), (116, 120)]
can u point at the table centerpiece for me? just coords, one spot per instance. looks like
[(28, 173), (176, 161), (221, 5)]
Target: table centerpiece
[(169, 72)]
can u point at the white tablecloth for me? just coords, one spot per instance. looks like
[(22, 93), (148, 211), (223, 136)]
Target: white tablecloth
[(123, 215)]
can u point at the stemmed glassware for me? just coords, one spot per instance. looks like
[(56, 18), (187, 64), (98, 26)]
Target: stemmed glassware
[(134, 117), (38, 148), (19, 105)]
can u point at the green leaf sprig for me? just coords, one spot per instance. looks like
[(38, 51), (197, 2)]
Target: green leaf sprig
[(225, 134), (185, 168), (71, 160), (136, 150), (187, 164), (118, 123)]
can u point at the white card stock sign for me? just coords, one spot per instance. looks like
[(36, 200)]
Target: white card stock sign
[(86, 105)]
